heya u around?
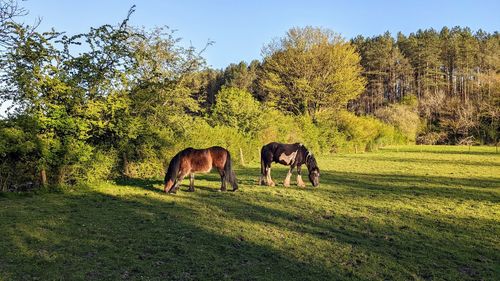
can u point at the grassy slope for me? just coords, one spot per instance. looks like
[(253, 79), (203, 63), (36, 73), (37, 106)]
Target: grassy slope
[(402, 214)]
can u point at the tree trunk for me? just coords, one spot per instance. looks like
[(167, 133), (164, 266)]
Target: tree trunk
[(61, 175), (126, 166)]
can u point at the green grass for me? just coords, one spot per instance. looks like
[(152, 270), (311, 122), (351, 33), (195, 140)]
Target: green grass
[(405, 213)]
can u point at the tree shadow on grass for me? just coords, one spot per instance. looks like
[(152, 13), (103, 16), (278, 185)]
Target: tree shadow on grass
[(212, 177), (454, 150), (435, 161), (146, 184), (96, 236), (414, 245), (154, 185), (479, 189)]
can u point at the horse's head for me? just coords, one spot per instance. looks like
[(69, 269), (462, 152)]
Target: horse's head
[(313, 168)]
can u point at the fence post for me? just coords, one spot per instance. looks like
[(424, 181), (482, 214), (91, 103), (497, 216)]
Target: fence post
[(241, 157), (43, 177)]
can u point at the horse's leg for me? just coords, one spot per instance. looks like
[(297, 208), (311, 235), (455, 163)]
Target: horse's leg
[(270, 181), (191, 182), (174, 187), (178, 182), (262, 172), (266, 159), (222, 179), (288, 176), (299, 177)]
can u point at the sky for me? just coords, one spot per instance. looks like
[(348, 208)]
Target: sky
[(241, 28)]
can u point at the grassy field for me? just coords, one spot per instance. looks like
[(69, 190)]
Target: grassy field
[(406, 213)]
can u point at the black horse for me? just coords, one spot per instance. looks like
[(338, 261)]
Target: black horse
[(293, 155)]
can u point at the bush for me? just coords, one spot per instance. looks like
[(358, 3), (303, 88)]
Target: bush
[(344, 131), (242, 130), (19, 157), (238, 109), (402, 116), (202, 135), (432, 138), (104, 165)]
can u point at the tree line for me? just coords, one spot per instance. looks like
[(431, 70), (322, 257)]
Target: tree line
[(452, 75), (120, 100)]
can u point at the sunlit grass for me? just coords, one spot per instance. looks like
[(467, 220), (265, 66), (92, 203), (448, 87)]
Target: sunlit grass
[(402, 213)]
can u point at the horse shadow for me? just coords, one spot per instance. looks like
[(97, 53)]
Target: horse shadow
[(146, 184), (156, 185)]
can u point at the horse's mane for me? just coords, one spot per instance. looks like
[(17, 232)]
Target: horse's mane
[(173, 166), (310, 161)]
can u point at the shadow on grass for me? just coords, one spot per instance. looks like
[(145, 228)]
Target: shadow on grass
[(146, 184), (94, 236), (424, 246), (394, 185), (153, 184), (430, 186), (89, 235), (434, 161), (447, 150)]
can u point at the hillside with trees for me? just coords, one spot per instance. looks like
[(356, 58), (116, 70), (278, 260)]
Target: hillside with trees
[(133, 97)]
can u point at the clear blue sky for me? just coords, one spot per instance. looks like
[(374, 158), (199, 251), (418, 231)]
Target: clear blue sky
[(241, 28)]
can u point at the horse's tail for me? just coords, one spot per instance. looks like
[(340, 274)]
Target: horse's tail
[(262, 168), (229, 172), (172, 172)]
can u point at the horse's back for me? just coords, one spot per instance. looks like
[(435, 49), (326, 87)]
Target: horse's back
[(195, 160), (219, 156), (202, 160), (272, 146), (280, 152)]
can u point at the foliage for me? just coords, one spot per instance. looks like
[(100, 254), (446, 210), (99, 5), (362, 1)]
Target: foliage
[(357, 133), (403, 117), (238, 109), (309, 70), (452, 72), (112, 97), (18, 146), (387, 71)]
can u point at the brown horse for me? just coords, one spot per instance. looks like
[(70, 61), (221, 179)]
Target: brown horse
[(190, 161)]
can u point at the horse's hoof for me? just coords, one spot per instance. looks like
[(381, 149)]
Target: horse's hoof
[(234, 190)]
